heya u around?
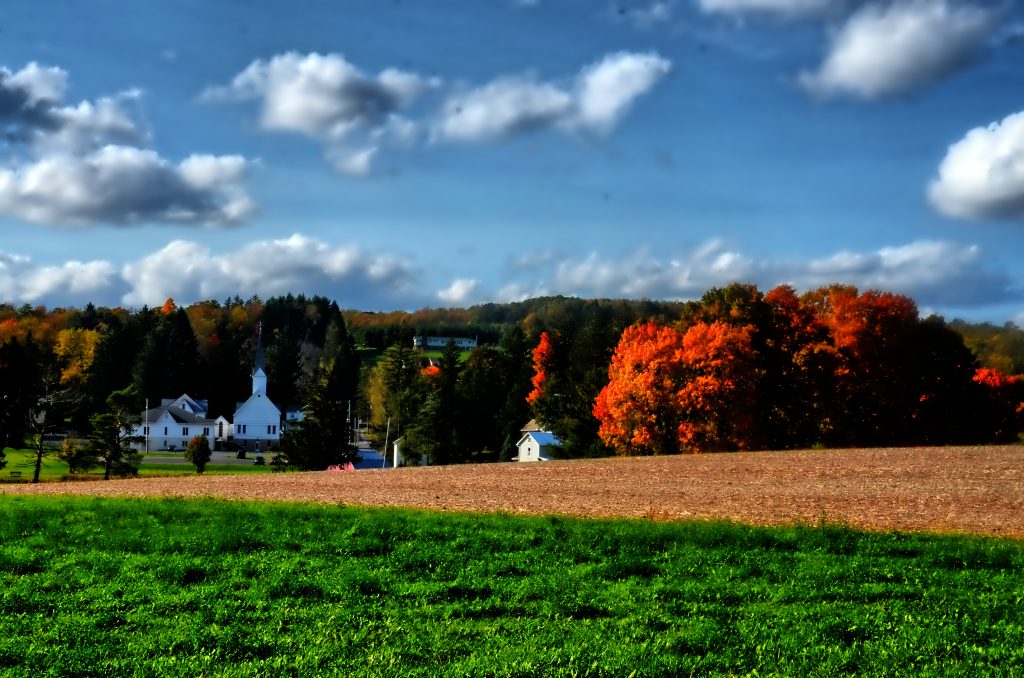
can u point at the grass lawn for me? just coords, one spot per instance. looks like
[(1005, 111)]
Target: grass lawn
[(107, 587), (23, 461)]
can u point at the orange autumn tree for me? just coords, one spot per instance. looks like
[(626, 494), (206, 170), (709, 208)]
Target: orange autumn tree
[(1005, 402), (669, 391), (718, 399), (874, 334), (542, 355), (638, 409)]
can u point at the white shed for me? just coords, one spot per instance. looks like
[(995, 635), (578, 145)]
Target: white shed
[(399, 460), (536, 446)]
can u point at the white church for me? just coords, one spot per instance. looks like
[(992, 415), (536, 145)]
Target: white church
[(257, 421), (256, 425)]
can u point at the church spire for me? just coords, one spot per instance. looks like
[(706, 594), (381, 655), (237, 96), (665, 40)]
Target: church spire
[(259, 375)]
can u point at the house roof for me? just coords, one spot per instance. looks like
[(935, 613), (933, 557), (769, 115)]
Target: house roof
[(542, 438), (531, 425), (174, 410)]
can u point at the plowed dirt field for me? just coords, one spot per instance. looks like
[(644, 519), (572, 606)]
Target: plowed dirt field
[(947, 489)]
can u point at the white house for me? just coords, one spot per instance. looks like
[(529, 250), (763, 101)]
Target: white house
[(536, 446), (257, 421), (171, 425), (462, 343)]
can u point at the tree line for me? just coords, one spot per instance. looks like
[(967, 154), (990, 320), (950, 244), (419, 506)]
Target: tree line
[(736, 369)]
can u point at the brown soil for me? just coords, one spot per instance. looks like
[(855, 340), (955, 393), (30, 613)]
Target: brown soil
[(948, 489)]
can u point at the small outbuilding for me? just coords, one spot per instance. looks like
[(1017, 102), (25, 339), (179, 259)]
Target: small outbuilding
[(401, 460), (536, 446)]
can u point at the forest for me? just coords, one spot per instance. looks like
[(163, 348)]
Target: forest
[(736, 369)]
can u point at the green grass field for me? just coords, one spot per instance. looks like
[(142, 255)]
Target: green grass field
[(23, 462), (183, 588)]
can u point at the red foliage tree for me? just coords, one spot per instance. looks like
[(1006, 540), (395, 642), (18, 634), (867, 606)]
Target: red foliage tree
[(670, 391), (718, 399), (638, 409), (800, 362), (542, 355), (874, 335), (1005, 406)]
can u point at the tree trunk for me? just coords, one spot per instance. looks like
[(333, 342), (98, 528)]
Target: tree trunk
[(39, 460)]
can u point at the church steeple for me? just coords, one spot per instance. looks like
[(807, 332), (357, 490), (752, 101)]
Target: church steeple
[(259, 375)]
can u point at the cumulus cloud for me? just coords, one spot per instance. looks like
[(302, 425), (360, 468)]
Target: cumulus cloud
[(461, 291), (942, 275), (74, 282), (780, 8), (321, 96), (932, 272), (126, 185), (884, 50), (355, 115), (936, 273), (187, 270), (330, 100), (600, 96), (607, 89), (87, 163), (982, 175), (32, 112), (502, 108)]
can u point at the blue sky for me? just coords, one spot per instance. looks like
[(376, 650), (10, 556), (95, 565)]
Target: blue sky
[(407, 153)]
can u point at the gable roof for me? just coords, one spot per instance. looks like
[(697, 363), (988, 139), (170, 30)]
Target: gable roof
[(542, 438), (175, 410), (256, 401), (531, 425)]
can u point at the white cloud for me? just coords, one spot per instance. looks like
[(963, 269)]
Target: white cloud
[(40, 84), (354, 163), (936, 273), (947, 276), (328, 99), (932, 272), (73, 282), (321, 96), (186, 270), (126, 185), (884, 50), (86, 163), (596, 102), (982, 175), (781, 8), (461, 291), (636, 275), (32, 113), (502, 108), (608, 88), (355, 115)]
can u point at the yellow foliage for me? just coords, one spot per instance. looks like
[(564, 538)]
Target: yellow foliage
[(76, 349)]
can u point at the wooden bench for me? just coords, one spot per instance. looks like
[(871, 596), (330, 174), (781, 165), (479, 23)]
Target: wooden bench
[(15, 474)]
